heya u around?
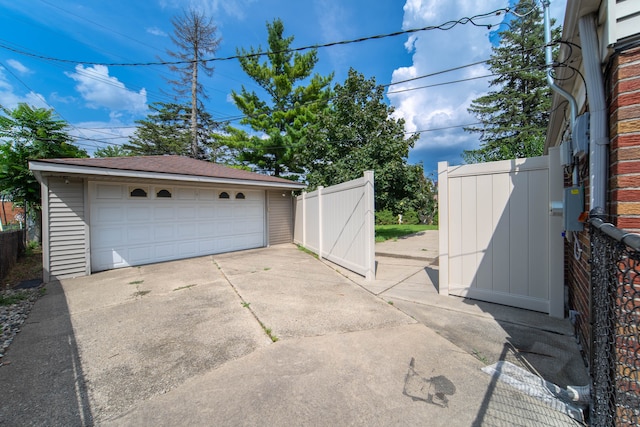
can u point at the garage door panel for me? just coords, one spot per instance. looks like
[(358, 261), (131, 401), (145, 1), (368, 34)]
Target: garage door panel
[(186, 213), (139, 255), (111, 214), (164, 213), (195, 221), (108, 191), (138, 213), (207, 229), (224, 211), (187, 230), (206, 212), (166, 251), (207, 195), (186, 194), (139, 233)]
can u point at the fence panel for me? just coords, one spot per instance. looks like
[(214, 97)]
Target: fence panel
[(498, 241), (615, 335), (11, 246), (337, 223)]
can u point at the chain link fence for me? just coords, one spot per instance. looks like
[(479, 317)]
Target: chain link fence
[(615, 323)]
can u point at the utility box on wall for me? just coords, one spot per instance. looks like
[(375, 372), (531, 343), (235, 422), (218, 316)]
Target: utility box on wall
[(573, 202)]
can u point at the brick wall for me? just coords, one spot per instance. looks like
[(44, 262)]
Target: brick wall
[(624, 134)]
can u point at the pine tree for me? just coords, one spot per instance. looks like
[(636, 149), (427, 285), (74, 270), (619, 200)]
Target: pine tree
[(282, 118), (515, 114), (167, 130), (196, 40)]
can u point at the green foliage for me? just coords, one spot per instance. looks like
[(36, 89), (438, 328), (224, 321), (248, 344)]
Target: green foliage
[(112, 151), (29, 133), (358, 133), (514, 116), (280, 120), (166, 130), (386, 217), (389, 232), (410, 217)]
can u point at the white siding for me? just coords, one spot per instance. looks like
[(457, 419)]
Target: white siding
[(66, 228)]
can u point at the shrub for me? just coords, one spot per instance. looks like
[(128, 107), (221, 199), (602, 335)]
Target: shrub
[(410, 217), (386, 217)]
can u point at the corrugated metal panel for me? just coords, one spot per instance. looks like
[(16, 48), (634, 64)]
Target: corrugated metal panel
[(67, 239), (280, 217)]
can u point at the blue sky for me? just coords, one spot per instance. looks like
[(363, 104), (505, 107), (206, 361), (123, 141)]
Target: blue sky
[(101, 103)]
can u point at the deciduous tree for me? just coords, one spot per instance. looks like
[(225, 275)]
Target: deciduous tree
[(357, 133)]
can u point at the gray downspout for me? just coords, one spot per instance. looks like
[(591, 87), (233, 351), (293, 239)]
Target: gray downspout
[(549, 64), (599, 134)]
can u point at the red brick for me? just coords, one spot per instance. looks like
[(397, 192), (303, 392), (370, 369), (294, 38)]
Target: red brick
[(628, 223), (629, 112), (622, 168), (628, 99), (625, 195), (629, 85), (628, 56), (628, 140), (628, 181), (628, 71)]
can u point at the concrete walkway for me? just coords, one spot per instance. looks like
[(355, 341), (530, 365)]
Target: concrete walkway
[(267, 337)]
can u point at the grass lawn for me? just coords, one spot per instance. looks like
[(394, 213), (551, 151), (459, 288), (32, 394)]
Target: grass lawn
[(386, 232)]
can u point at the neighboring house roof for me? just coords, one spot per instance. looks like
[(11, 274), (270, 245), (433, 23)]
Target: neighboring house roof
[(159, 167)]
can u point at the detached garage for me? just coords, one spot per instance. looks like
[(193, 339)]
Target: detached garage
[(106, 213)]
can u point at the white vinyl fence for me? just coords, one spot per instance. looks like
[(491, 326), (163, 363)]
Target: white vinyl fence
[(498, 239), (337, 223)]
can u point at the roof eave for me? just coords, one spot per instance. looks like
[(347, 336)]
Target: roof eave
[(46, 168)]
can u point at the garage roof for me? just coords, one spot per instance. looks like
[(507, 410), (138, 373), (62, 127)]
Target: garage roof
[(159, 167)]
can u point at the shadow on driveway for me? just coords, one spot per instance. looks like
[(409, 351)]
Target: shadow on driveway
[(42, 379)]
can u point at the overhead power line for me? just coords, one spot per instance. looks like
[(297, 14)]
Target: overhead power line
[(444, 27)]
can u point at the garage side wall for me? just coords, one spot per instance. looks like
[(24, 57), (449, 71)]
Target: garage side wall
[(66, 229), (280, 211)]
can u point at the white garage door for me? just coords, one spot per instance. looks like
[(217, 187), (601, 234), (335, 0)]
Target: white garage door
[(140, 224)]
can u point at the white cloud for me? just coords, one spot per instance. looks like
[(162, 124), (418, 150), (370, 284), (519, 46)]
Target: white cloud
[(98, 134), (100, 90), (10, 99), (18, 66), (234, 8), (156, 32), (445, 105)]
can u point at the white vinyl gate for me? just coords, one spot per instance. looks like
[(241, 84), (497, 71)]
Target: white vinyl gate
[(337, 223), (498, 239)]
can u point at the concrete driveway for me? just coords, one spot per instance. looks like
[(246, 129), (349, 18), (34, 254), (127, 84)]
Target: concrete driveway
[(264, 337)]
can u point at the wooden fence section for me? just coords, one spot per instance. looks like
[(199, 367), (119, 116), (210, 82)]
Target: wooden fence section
[(337, 223), (11, 246)]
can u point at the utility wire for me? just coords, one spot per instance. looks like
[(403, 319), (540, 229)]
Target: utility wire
[(444, 27)]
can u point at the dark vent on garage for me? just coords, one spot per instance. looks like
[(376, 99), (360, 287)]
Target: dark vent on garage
[(164, 194), (224, 195), (240, 196), (138, 192)]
